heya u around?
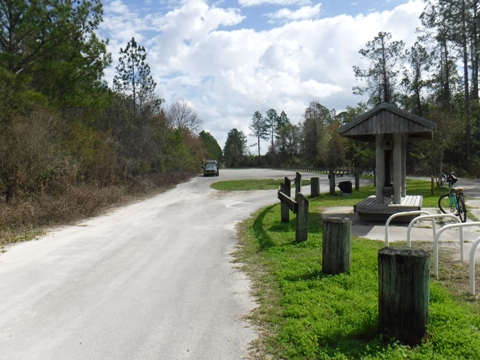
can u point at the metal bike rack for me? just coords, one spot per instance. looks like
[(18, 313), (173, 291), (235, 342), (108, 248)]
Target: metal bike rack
[(433, 217), (435, 241), (404, 213), (471, 266)]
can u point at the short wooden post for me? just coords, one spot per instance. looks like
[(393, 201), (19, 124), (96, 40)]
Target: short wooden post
[(331, 177), (357, 179), (404, 290), (298, 185), (285, 211), (432, 185), (314, 186), (336, 245), (301, 233)]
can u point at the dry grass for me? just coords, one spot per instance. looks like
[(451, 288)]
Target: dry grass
[(454, 274), (62, 202)]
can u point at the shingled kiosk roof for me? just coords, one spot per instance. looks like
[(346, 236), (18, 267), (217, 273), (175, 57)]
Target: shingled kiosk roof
[(387, 119)]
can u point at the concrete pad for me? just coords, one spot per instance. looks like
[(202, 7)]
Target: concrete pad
[(421, 231)]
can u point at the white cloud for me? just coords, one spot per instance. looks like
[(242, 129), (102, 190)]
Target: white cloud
[(228, 74), (247, 3), (304, 13)]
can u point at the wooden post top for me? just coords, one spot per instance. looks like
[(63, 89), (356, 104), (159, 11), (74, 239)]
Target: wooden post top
[(402, 251)]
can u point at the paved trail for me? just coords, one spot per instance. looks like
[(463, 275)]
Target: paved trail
[(153, 280)]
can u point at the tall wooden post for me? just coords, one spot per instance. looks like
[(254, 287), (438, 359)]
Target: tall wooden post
[(314, 186), (301, 233), (331, 177), (336, 245), (404, 290), (357, 179), (288, 187), (298, 185), (285, 211)]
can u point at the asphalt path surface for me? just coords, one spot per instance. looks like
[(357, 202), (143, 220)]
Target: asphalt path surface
[(152, 280)]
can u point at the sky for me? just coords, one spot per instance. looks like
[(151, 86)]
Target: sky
[(230, 58)]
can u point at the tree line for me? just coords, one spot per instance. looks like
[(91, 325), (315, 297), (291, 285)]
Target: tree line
[(62, 126), (314, 141), (437, 78), (61, 122)]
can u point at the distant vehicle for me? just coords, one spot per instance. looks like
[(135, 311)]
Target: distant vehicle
[(211, 168)]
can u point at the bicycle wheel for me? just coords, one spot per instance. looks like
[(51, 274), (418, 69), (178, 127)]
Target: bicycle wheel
[(462, 209), (444, 205)]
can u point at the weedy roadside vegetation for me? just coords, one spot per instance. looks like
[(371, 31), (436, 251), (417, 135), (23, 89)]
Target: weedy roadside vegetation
[(304, 314), (65, 201)]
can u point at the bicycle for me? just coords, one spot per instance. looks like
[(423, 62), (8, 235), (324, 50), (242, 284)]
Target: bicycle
[(453, 202)]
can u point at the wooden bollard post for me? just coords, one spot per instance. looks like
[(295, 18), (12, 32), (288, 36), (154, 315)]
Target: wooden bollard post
[(331, 176), (432, 185), (336, 245), (301, 233), (404, 288), (357, 179), (285, 211), (288, 186), (314, 186), (298, 185)]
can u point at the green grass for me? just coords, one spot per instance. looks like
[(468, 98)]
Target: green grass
[(251, 184), (414, 187), (305, 314)]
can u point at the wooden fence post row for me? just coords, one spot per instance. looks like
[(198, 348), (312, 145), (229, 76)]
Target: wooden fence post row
[(338, 171), (299, 207)]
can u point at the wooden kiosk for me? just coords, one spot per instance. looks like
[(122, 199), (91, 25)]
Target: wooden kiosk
[(390, 128)]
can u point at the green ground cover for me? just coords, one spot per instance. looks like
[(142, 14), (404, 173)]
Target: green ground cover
[(304, 314), (252, 184)]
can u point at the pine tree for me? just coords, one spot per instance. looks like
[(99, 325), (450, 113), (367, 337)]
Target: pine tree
[(52, 46), (235, 148), (385, 57), (133, 78), (258, 128)]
